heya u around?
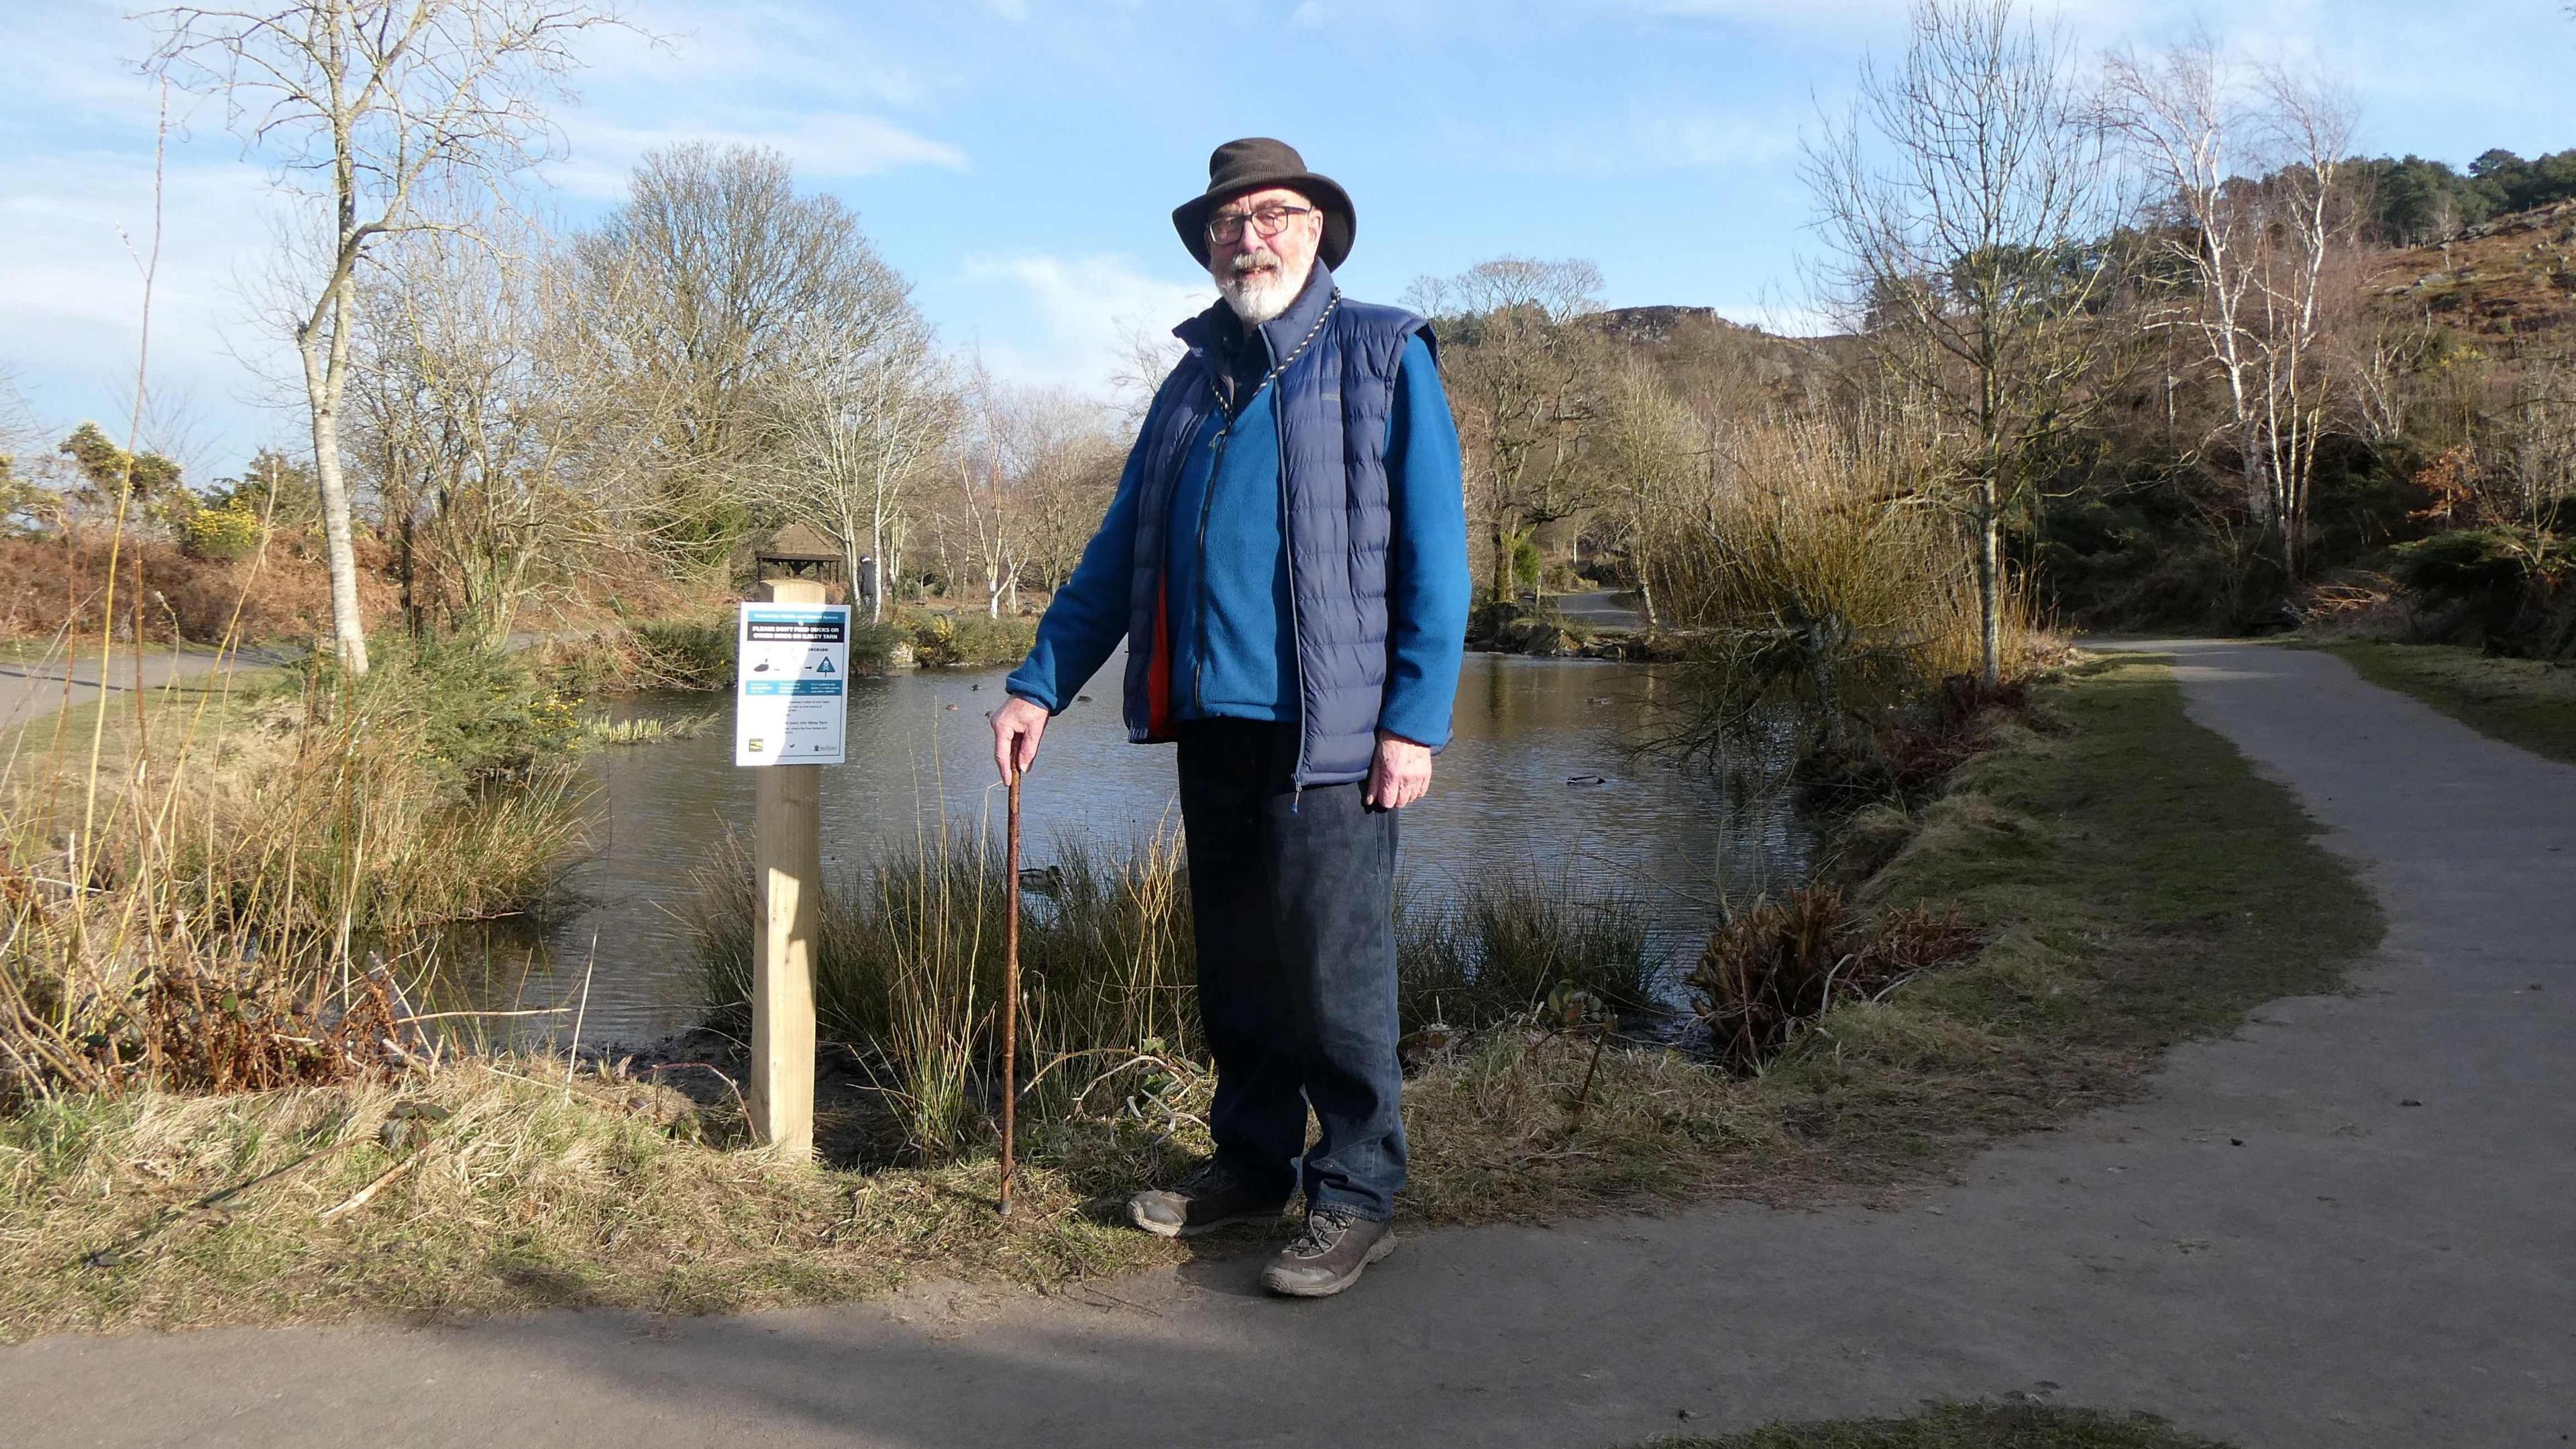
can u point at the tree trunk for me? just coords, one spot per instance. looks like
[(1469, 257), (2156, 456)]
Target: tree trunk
[(324, 382), (1646, 593), (885, 571), (1990, 598)]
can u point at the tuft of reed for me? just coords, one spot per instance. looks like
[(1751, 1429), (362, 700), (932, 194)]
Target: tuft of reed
[(908, 975), (647, 729), (908, 970), (1504, 945)]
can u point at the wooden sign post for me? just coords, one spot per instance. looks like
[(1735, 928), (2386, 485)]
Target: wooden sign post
[(792, 685)]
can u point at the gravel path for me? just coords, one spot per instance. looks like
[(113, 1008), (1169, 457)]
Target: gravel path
[(2388, 1258)]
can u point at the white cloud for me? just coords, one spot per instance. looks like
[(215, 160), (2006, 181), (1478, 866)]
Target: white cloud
[(600, 152), (1072, 322)]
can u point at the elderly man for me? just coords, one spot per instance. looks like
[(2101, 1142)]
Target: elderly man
[(1286, 559)]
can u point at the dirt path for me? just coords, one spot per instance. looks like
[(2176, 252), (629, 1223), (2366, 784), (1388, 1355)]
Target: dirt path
[(2348, 1224), (1602, 609)]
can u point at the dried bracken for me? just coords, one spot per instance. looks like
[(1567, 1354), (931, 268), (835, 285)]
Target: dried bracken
[(1774, 969)]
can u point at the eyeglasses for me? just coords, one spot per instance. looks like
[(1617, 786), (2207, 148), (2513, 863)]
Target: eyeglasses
[(1267, 222)]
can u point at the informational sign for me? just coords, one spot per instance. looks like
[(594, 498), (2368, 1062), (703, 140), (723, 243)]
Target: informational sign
[(791, 684)]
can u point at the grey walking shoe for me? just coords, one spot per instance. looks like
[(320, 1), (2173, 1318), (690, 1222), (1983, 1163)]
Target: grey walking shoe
[(1207, 1200), (1329, 1256)]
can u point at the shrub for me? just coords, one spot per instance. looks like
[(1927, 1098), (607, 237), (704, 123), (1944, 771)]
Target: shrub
[(966, 640), (2502, 587), (223, 534), (479, 716)]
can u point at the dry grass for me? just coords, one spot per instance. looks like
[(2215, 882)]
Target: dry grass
[(2135, 883), (1773, 970), (192, 884), (514, 1187)]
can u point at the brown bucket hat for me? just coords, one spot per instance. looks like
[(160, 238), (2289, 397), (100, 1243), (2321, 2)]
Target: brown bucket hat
[(1256, 162)]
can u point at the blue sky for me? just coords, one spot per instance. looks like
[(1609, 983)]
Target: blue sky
[(1017, 159)]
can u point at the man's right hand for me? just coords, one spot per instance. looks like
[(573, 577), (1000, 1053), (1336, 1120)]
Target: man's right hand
[(1016, 728)]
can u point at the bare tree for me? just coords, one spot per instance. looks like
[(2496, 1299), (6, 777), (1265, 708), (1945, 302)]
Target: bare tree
[(1028, 465), (24, 503), (1965, 198), (1521, 371), (708, 296), (1067, 491), (1146, 355), (872, 407), (2249, 161), (366, 105), (473, 413), (1654, 450)]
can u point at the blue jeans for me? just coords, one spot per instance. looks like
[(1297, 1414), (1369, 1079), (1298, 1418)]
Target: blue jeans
[(1292, 897)]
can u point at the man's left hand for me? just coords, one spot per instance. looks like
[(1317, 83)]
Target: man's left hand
[(1399, 774)]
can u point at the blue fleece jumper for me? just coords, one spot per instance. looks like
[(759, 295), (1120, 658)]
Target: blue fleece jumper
[(1233, 655)]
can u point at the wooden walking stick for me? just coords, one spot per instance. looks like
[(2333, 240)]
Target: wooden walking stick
[(1010, 985)]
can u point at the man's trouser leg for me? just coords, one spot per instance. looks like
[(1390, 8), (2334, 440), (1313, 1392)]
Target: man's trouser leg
[(1292, 897)]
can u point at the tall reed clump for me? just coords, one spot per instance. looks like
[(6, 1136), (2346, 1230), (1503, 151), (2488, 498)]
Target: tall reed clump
[(1504, 945), (192, 886), (908, 973), (1823, 572)]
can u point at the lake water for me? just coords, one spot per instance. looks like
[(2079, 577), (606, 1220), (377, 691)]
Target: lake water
[(919, 745)]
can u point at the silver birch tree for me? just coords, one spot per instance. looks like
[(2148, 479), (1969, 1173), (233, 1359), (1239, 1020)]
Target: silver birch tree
[(365, 106)]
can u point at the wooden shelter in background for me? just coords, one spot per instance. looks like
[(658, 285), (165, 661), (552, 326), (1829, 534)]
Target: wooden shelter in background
[(798, 552)]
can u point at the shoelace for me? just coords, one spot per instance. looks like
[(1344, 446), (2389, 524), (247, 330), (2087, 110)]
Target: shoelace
[(1323, 1229)]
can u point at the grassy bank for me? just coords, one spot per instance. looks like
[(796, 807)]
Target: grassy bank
[(2526, 702), (2137, 884), (1965, 1426), (2130, 878)]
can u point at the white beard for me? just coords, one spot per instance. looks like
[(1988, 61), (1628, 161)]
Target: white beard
[(1258, 296)]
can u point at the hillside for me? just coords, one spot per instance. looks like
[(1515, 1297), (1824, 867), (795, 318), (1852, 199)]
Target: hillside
[(2509, 282)]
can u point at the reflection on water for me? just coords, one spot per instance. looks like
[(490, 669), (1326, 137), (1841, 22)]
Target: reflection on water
[(1504, 796)]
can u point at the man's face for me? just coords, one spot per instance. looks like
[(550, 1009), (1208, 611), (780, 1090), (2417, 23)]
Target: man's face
[(1260, 275)]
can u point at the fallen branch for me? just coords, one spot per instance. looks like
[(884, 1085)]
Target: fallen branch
[(360, 1198)]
